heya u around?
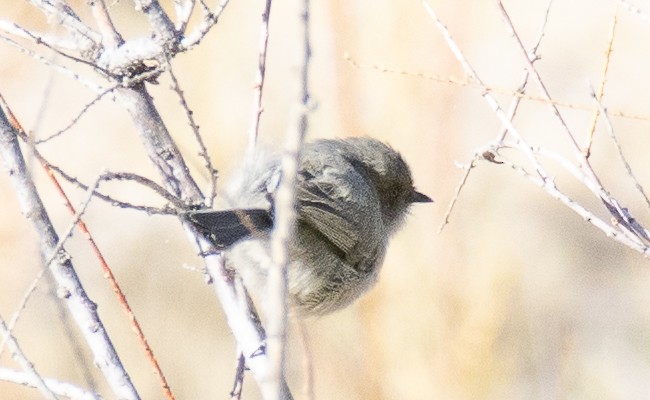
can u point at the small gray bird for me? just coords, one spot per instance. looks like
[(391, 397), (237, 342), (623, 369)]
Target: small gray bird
[(351, 195)]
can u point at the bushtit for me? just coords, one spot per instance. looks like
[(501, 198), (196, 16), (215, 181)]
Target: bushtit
[(351, 195)]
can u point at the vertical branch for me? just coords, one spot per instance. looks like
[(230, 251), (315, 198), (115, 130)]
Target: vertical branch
[(166, 157), (163, 152), (259, 78), (71, 290), (285, 220), (304, 70)]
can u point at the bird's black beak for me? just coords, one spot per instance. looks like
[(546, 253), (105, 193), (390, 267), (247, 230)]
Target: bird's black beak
[(417, 197)]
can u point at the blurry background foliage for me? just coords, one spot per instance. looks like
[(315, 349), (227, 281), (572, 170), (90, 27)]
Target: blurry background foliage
[(517, 298)]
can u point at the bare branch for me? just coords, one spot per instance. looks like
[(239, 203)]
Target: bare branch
[(59, 388), (159, 20), (184, 10), (27, 366), (601, 85), (242, 318), (59, 68), (535, 74), (160, 146), (284, 224), (626, 229), (628, 240), (203, 150), (48, 260), (56, 42), (110, 37), (168, 160), (621, 155), (260, 74), (209, 20), (71, 290), (123, 204), (486, 94), (76, 119), (87, 39)]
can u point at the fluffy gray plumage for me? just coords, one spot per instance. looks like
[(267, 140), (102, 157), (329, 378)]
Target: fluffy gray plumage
[(351, 195)]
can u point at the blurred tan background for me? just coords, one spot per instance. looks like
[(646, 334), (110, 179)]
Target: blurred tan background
[(518, 298)]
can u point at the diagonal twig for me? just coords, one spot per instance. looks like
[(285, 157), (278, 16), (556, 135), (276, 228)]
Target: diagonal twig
[(603, 79), (60, 388), (27, 366)]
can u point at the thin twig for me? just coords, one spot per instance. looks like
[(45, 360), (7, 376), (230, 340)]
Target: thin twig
[(49, 259), (203, 150), (505, 120), (76, 119), (193, 39), (532, 55), (66, 17), (39, 41), (601, 85), (504, 129), (496, 108), (592, 182), (159, 144), (624, 228), (105, 177), (621, 155), (165, 210), (27, 366), (58, 42), (627, 234), (632, 242), (508, 91), (260, 74), (57, 67), (535, 74), (454, 198)]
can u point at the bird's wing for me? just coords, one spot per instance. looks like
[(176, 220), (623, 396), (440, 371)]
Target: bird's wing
[(225, 228), (341, 206)]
